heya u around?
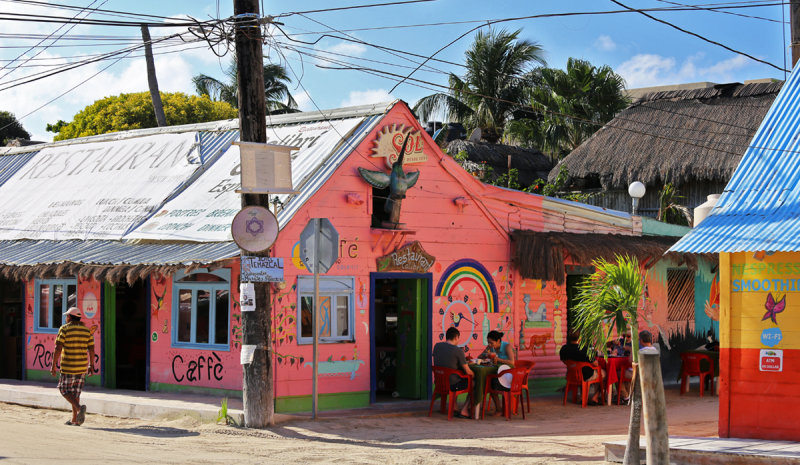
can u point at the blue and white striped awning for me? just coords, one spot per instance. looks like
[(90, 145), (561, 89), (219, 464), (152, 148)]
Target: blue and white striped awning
[(10, 164), (760, 207), (29, 253)]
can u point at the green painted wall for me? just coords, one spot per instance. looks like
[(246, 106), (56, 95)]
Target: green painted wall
[(652, 227), (46, 377), (333, 401)]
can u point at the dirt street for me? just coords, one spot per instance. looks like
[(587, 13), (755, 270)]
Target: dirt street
[(552, 433)]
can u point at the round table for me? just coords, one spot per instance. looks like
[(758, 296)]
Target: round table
[(479, 383)]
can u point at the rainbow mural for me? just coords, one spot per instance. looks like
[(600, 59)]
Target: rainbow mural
[(467, 270)]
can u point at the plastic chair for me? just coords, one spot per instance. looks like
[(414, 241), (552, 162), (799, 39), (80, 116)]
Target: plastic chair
[(514, 393), (527, 364), (575, 380), (691, 366), (441, 379)]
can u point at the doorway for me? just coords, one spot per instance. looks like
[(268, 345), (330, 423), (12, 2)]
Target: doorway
[(125, 330), (573, 284), (400, 319), (11, 314)]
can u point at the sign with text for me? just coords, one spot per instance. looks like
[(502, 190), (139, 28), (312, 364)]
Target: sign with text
[(262, 269), (411, 257), (390, 140), (204, 210), (97, 190), (771, 360)]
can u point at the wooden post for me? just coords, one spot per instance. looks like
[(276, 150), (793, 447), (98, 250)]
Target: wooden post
[(794, 15), (152, 82), (655, 410), (257, 388)]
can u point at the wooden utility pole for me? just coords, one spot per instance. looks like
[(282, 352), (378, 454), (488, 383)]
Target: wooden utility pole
[(257, 389), (152, 82), (655, 409), (794, 12)]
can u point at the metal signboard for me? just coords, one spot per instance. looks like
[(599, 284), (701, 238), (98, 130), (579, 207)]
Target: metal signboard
[(262, 269), (254, 229), (328, 242)]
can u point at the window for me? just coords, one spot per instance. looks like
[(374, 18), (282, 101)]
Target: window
[(336, 298), (53, 298), (680, 294), (379, 215), (201, 309)]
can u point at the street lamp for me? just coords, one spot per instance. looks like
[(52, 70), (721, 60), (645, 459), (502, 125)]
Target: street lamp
[(636, 190)]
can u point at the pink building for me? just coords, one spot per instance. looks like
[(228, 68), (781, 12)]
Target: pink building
[(145, 250)]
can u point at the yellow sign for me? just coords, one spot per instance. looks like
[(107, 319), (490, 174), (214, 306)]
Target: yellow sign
[(389, 141)]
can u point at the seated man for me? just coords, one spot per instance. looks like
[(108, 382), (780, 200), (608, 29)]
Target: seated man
[(449, 355), (645, 347), (571, 351)]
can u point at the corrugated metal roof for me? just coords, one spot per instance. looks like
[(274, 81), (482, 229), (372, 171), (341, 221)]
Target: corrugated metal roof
[(760, 207), (10, 164), (28, 253)]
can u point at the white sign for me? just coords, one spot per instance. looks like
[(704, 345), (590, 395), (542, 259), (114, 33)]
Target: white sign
[(247, 297), (97, 190), (205, 210), (246, 356), (770, 360), (262, 269)]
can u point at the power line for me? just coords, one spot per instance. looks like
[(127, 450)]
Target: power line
[(95, 10), (325, 10), (24, 17), (718, 10)]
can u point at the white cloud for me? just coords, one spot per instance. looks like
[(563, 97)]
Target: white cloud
[(346, 48), (364, 97), (605, 43), (648, 70)]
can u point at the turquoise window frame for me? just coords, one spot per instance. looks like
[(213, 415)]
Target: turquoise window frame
[(329, 286), (37, 285), (195, 287)]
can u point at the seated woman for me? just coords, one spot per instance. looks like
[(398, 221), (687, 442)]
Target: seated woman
[(501, 353)]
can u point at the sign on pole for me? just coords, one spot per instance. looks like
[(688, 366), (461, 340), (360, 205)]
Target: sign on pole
[(319, 249), (262, 269)]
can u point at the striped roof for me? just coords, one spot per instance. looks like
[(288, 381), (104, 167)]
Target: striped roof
[(760, 207)]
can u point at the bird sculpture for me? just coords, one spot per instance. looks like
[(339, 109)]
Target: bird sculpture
[(398, 183)]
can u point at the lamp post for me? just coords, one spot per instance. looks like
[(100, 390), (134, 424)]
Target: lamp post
[(636, 190)]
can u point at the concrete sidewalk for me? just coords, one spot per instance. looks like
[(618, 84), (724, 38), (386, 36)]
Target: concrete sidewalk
[(160, 405)]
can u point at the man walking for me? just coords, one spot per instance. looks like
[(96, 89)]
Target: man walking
[(73, 343)]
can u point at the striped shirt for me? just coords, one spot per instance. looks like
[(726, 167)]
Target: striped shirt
[(75, 339)]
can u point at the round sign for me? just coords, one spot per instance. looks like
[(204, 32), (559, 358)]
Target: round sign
[(254, 229)]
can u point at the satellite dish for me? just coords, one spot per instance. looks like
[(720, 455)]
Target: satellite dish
[(254, 229)]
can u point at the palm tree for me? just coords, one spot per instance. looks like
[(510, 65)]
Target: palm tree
[(276, 90), (492, 86), (568, 106), (608, 300)]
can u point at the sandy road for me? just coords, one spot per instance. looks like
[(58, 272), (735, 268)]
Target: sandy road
[(552, 433)]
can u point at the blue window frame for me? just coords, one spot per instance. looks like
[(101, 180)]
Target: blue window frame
[(336, 294), (52, 298), (201, 309)]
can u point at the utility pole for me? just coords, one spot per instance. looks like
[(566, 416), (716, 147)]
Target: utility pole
[(155, 96), (257, 389), (794, 12)]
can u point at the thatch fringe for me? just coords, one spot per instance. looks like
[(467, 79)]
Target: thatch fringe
[(543, 255), (110, 273), (677, 136)]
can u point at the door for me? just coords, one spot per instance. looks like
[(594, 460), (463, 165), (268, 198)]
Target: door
[(10, 329), (573, 282), (125, 329), (412, 332)]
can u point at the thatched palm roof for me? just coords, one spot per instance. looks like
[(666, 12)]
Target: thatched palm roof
[(674, 136), (531, 164), (541, 255)]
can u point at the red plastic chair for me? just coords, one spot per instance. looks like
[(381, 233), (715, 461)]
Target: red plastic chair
[(575, 380), (441, 379), (692, 367), (528, 365), (513, 395)]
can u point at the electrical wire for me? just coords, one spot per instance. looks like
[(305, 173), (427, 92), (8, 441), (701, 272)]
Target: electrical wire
[(718, 10), (326, 10), (62, 6)]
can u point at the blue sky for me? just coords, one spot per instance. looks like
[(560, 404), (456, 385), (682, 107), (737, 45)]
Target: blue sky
[(644, 52)]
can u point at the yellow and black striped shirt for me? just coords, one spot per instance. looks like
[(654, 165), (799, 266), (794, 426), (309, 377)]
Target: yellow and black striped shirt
[(75, 339)]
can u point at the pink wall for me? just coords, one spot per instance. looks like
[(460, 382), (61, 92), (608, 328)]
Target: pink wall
[(220, 369), (39, 347)]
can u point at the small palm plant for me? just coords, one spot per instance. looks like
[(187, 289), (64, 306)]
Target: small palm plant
[(222, 415), (608, 301)]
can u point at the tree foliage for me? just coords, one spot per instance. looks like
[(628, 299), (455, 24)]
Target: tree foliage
[(608, 302), (669, 210), (276, 90), (135, 111), (492, 87), (568, 106), (10, 128)]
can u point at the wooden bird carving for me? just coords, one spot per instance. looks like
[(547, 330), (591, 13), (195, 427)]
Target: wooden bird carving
[(398, 183)]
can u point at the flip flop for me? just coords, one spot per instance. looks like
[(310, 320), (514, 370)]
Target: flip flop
[(70, 423), (81, 415), (459, 415)]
